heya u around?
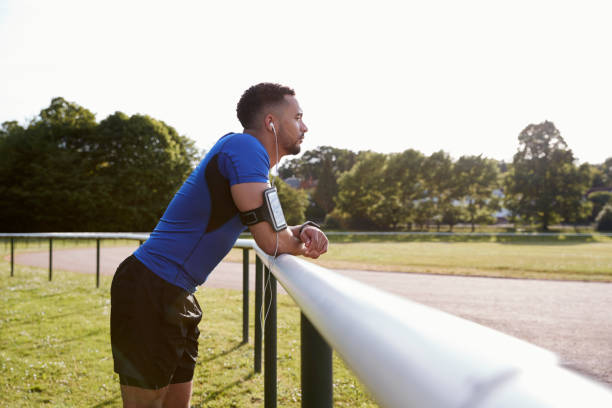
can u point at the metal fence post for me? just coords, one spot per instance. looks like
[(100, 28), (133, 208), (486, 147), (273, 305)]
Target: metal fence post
[(245, 295), (270, 344), (317, 373), (50, 258), (258, 302), (12, 257), (97, 263)]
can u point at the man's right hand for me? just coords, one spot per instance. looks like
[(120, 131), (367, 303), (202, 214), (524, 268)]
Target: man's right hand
[(315, 242)]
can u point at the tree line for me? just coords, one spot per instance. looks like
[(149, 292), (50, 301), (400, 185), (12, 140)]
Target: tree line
[(64, 171), (543, 185)]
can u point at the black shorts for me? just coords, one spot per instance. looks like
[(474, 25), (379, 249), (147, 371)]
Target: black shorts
[(154, 328)]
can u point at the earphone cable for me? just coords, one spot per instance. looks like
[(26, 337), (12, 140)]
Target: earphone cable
[(263, 316)]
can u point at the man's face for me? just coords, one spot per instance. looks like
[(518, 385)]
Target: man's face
[(292, 128)]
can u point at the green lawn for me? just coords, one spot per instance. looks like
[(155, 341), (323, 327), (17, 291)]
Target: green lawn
[(592, 261), (552, 257), (55, 351), (54, 340)]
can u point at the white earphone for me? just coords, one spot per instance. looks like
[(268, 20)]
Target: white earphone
[(272, 126)]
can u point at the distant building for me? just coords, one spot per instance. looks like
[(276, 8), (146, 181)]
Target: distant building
[(293, 182), (298, 184), (308, 183)]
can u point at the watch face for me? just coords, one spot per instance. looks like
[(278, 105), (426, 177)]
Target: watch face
[(278, 218)]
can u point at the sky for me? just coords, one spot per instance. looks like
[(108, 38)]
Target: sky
[(460, 76)]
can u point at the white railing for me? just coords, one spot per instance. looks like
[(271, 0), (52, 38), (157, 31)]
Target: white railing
[(410, 355)]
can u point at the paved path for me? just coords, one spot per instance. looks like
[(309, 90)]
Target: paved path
[(573, 319)]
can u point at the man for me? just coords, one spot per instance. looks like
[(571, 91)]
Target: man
[(154, 315)]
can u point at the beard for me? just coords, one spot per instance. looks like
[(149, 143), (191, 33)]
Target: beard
[(295, 148)]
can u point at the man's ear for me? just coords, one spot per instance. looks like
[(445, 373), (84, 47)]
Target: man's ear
[(269, 123)]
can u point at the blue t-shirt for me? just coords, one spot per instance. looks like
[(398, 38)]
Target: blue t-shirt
[(201, 223)]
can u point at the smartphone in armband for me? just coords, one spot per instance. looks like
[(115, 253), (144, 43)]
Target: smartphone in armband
[(271, 211), (276, 211)]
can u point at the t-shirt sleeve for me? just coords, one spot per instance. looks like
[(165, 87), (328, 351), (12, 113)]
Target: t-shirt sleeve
[(243, 159)]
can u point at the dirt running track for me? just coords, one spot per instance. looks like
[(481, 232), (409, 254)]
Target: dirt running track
[(573, 319)]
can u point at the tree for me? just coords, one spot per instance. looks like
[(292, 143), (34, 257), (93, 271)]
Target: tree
[(45, 170), (476, 179), (404, 180), (599, 194), (598, 201), (543, 184), (382, 191), (453, 215), (359, 191), (293, 201), (598, 177), (10, 128), (423, 213), (64, 172), (141, 162), (14, 165), (438, 177), (327, 188), (575, 207), (604, 219), (606, 169), (308, 166), (322, 166)]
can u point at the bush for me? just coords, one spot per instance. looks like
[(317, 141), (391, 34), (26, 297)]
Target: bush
[(604, 219), (294, 202), (599, 200), (315, 213), (336, 220)]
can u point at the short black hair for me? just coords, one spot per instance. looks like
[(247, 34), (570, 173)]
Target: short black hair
[(254, 99)]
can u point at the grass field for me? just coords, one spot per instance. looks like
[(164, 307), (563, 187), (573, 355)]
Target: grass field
[(55, 351), (54, 340), (550, 257), (563, 257)]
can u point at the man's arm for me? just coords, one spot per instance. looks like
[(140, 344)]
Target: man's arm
[(311, 242)]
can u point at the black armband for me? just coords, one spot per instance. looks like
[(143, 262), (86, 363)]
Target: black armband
[(304, 225), (270, 211)]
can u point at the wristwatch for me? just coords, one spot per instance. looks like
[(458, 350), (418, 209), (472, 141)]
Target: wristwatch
[(312, 223)]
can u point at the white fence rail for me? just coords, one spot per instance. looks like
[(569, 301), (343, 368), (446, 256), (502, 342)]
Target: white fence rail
[(410, 355)]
